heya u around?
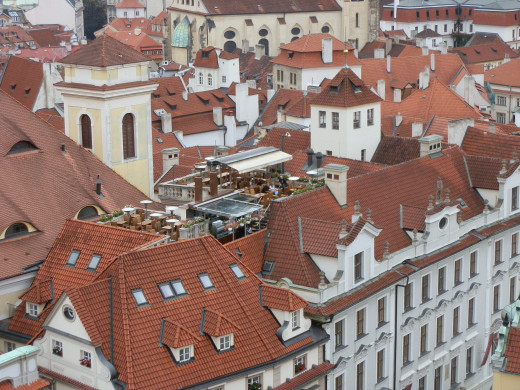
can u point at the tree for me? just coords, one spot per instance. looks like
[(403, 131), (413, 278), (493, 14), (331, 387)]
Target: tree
[(94, 16)]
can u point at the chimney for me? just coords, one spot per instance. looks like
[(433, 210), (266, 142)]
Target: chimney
[(280, 117), (424, 50), (217, 116), (198, 189), (326, 50), (430, 144), (336, 180), (397, 95), (457, 130), (398, 119), (137, 31), (230, 138), (166, 122), (432, 62), (245, 46), (388, 63), (469, 87), (492, 127), (179, 134), (170, 157), (424, 78), (98, 186), (213, 183), (417, 129), (388, 46), (379, 53), (319, 159), (444, 48), (309, 152), (381, 88), (259, 51), (185, 95), (222, 151), (506, 58)]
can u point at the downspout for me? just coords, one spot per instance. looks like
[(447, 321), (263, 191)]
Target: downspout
[(395, 329), (110, 295)]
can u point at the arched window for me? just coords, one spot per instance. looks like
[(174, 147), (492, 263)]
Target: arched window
[(264, 42), (21, 147), (325, 29), (230, 46), (87, 213), (210, 79), (16, 229), (201, 78), (86, 132), (128, 136)]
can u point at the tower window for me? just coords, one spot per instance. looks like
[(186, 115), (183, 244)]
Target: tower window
[(86, 132), (128, 136)]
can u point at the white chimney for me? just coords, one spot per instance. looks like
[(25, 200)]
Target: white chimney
[(185, 95), (381, 88), (230, 138), (417, 129), (166, 122), (336, 181), (179, 134), (432, 62), (245, 46), (492, 127), (425, 50), (397, 95), (506, 59), (217, 116), (457, 130), (326, 50), (469, 88), (444, 48), (170, 157), (137, 31), (398, 119), (259, 51), (430, 144), (388, 60), (379, 53)]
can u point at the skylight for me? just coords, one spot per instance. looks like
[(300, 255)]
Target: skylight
[(171, 289), (206, 281), (94, 261), (139, 297), (73, 258), (237, 271), (268, 267)]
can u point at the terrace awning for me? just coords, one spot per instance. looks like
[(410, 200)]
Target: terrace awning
[(253, 159)]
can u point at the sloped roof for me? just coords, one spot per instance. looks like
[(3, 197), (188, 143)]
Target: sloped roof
[(66, 182), (222, 7), (484, 171), (126, 24), (137, 42), (283, 98), (129, 4), (483, 143), (512, 353), (54, 276), (345, 90), (137, 329), (299, 140), (104, 51), (52, 117), (250, 250), (485, 52), (281, 298), (395, 150), (506, 74), (313, 43), (22, 80), (316, 237), (427, 33)]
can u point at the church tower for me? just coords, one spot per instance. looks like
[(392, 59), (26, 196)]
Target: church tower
[(107, 99)]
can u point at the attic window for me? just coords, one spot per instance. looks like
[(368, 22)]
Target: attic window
[(159, 140), (21, 147), (27, 90), (73, 258), (87, 213), (357, 89), (291, 55), (237, 271), (225, 342), (494, 50), (205, 281), (139, 297), (462, 203), (205, 55), (94, 262), (13, 86), (171, 289)]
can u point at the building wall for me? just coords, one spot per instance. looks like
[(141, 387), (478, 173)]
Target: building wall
[(130, 13), (10, 290), (45, 13), (512, 100), (505, 381)]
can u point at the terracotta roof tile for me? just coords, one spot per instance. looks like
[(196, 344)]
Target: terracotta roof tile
[(485, 53), (505, 74), (206, 58), (222, 7), (139, 43), (216, 324), (63, 378), (395, 150), (22, 80), (483, 143), (176, 335), (250, 250), (298, 141), (512, 353), (129, 4), (281, 299), (38, 384), (312, 43), (484, 171), (319, 237), (129, 25), (283, 99), (307, 376), (52, 117)]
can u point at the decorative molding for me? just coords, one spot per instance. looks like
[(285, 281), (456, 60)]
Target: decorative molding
[(498, 277)]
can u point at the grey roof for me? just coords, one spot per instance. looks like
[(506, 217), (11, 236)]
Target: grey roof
[(480, 4), (286, 125)]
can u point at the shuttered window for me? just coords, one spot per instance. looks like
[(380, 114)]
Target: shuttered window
[(128, 136)]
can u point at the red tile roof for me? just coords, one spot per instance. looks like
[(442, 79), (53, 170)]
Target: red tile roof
[(512, 353), (105, 51), (254, 69), (139, 43), (306, 377), (345, 90), (313, 43), (281, 299), (483, 143), (316, 237), (66, 182), (505, 74), (55, 276), (129, 25), (484, 171), (485, 53), (299, 140), (52, 117), (38, 384), (47, 54), (282, 99), (222, 7), (395, 150), (129, 4), (250, 250), (22, 80), (233, 302)]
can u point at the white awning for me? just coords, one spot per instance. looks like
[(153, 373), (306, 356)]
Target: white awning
[(262, 161)]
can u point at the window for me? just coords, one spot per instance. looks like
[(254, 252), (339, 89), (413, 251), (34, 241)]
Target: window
[(139, 297), (437, 381), (501, 118), (501, 100), (94, 261), (224, 79), (512, 285), (456, 313), (380, 365), (73, 258), (358, 266), (68, 313), (206, 281), (498, 251), (86, 132), (425, 288), (428, 15), (456, 274), (407, 297), (339, 383), (338, 331), (473, 263), (418, 15), (335, 120), (87, 213), (469, 360), (471, 311), (360, 376), (514, 198), (322, 119), (453, 371), (57, 348), (225, 342), (85, 359), (254, 382), (406, 349), (237, 271), (381, 310), (295, 31), (445, 28), (440, 324), (357, 19), (422, 383), (441, 281), (295, 319), (184, 354), (496, 298), (357, 119), (32, 309), (171, 289), (360, 324), (424, 339), (299, 364), (325, 29), (201, 78), (292, 78), (210, 79), (22, 147), (363, 154), (128, 136), (514, 244), (370, 116)]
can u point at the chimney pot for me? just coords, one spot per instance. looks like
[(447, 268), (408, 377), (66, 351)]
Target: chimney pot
[(326, 50), (98, 185), (388, 64), (213, 183), (319, 158), (309, 152)]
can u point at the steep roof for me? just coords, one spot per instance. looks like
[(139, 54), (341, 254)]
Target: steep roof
[(126, 24), (282, 99), (222, 7), (233, 305), (22, 80), (250, 250), (313, 43), (505, 74), (485, 52), (129, 4), (298, 141), (395, 150), (512, 353), (483, 143), (105, 51), (345, 90)]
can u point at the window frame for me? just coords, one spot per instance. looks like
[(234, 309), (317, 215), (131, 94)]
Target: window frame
[(298, 362), (32, 309), (357, 120), (471, 311), (441, 280), (338, 334), (360, 375), (295, 319), (456, 321), (439, 336), (335, 120), (380, 365), (73, 260), (453, 370), (514, 244), (205, 277), (424, 339), (406, 349), (381, 311), (473, 263), (322, 119), (496, 298), (370, 117), (128, 136), (425, 288), (469, 361), (358, 266), (514, 198), (360, 322), (137, 293), (498, 252), (457, 274), (225, 342), (512, 289), (86, 131)]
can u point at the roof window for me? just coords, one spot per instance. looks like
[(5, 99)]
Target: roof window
[(94, 262), (21, 147), (237, 271), (268, 267), (73, 258), (16, 229), (171, 289), (139, 297), (206, 281), (239, 254)]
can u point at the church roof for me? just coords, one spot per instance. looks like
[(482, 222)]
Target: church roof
[(181, 34)]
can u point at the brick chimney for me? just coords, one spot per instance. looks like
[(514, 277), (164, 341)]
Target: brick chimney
[(326, 50), (170, 157), (198, 189), (336, 180), (430, 144), (213, 183)]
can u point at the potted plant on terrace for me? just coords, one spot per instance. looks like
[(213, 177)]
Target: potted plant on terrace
[(254, 386), (85, 362)]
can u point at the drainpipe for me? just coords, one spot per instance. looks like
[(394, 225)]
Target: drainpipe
[(395, 329)]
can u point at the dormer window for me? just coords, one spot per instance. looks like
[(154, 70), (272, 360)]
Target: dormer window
[(32, 309), (205, 281), (295, 319), (237, 271), (21, 147), (184, 354), (16, 229), (73, 258), (139, 297), (172, 289), (225, 342)]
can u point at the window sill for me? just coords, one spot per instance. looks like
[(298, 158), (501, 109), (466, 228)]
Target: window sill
[(408, 309), (426, 300), (498, 263), (361, 335), (473, 275), (381, 324), (340, 348), (425, 353), (469, 375), (457, 283), (382, 379), (440, 292), (408, 363), (440, 344)]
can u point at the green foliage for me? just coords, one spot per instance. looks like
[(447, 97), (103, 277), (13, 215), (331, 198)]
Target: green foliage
[(94, 16)]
